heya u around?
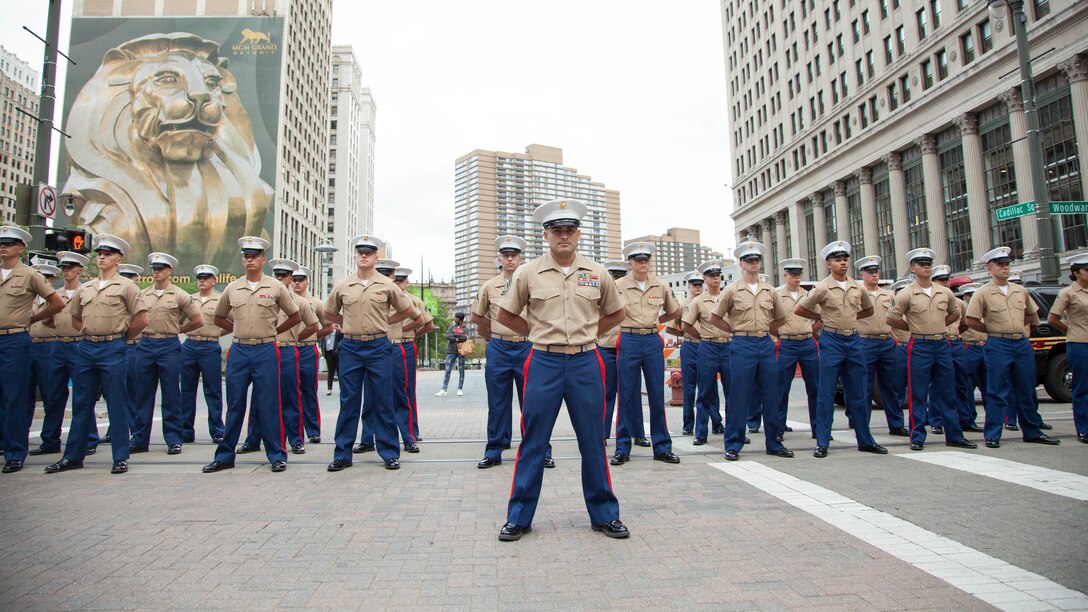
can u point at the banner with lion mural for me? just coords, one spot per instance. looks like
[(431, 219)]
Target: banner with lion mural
[(173, 125)]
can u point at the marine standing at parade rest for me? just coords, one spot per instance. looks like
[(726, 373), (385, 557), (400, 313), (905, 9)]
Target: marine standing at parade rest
[(256, 304), (505, 354), (132, 272), (961, 358), (170, 311), (713, 351), (309, 356), (408, 345), (925, 309), (973, 363), (1001, 309), (62, 360), (1073, 303), (361, 304), (202, 358), (569, 302), (879, 347), (108, 311), (838, 302), (902, 339), (402, 405), (689, 353), (750, 310), (640, 354), (44, 338), (606, 346), (796, 345)]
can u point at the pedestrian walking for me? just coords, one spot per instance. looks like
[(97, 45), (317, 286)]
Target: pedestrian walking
[(330, 348), (455, 335)]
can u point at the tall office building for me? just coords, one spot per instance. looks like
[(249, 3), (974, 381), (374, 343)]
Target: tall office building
[(897, 124), (677, 251), (495, 193), (351, 160), (19, 87), (301, 152)]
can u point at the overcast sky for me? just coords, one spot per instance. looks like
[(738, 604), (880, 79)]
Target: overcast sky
[(633, 91)]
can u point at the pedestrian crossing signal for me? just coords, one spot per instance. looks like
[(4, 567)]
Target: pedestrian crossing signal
[(68, 240)]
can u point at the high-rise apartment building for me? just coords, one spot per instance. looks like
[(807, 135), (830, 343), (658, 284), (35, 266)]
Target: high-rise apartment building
[(677, 251), (897, 124), (495, 193), (19, 87), (351, 160), (301, 151)]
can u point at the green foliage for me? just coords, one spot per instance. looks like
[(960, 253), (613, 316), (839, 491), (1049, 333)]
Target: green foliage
[(442, 320)]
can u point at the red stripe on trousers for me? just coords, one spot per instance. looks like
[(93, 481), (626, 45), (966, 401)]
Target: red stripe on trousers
[(298, 389), (604, 407), (910, 394), (662, 403), (279, 399), (404, 364), (317, 387), (524, 383)]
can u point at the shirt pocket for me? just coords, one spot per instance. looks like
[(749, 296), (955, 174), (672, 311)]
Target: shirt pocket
[(238, 300), (266, 301), (853, 301), (655, 299), (546, 303)]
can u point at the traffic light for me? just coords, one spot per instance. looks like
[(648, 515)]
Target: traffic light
[(68, 240)]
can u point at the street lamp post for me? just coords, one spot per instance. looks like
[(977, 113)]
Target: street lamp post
[(326, 249), (1048, 258)]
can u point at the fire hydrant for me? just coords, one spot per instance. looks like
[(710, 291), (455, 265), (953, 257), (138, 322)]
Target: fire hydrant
[(676, 383)]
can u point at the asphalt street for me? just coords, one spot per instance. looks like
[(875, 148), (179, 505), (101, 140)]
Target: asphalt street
[(941, 529)]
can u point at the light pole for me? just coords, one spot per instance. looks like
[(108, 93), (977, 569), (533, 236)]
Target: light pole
[(1048, 259), (326, 249)]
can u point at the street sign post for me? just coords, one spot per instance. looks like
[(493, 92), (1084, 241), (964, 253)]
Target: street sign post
[(43, 258), (47, 200)]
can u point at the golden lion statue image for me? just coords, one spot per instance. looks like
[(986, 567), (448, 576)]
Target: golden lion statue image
[(249, 36), (162, 152)]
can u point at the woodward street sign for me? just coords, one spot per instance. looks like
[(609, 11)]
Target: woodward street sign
[(1056, 208)]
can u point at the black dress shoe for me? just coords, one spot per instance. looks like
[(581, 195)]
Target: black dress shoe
[(132, 450), (315, 439), (11, 466), (44, 451), (63, 466), (619, 459), (91, 451), (279, 466), (667, 457), (488, 462), (1045, 426), (512, 533), (731, 455), (119, 467), (698, 441), (248, 449), (506, 447), (1045, 439), (747, 440), (1012, 427), (549, 462), (174, 449), (411, 448), (1082, 438), (338, 464), (937, 429), (362, 448), (298, 449), (876, 449), (105, 438), (753, 430), (216, 466), (972, 428), (832, 438), (917, 446), (643, 442), (788, 428), (688, 432), (993, 443), (217, 439), (718, 430), (613, 529), (782, 452), (820, 452), (961, 444), (392, 464), (188, 440), (902, 432), (418, 437)]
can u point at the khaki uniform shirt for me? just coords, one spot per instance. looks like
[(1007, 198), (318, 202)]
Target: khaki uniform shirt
[(954, 327), (308, 319), (795, 324), (207, 310), (562, 308), (62, 321), (366, 308), (489, 300), (256, 312), (746, 311), (839, 307), (684, 307), (882, 304), (318, 308), (427, 317), (106, 311), (1073, 303), (17, 295), (167, 312), (644, 307), (1003, 314), (40, 329), (924, 314), (698, 316)]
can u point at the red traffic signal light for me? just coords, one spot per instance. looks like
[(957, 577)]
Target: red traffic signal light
[(68, 240)]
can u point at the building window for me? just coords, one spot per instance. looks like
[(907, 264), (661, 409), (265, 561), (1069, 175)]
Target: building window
[(888, 57), (927, 74), (923, 26), (865, 26), (857, 31), (874, 108), (842, 84), (967, 47), (885, 233), (954, 194), (1042, 8), (883, 9), (853, 214), (893, 97), (935, 11), (832, 226), (917, 218), (900, 40), (985, 36), (863, 115), (942, 65), (870, 63), (961, 4), (1060, 155), (860, 72), (999, 172), (904, 87), (810, 240)]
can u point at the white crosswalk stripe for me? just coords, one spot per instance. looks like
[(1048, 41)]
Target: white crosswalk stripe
[(1057, 482), (992, 580)]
